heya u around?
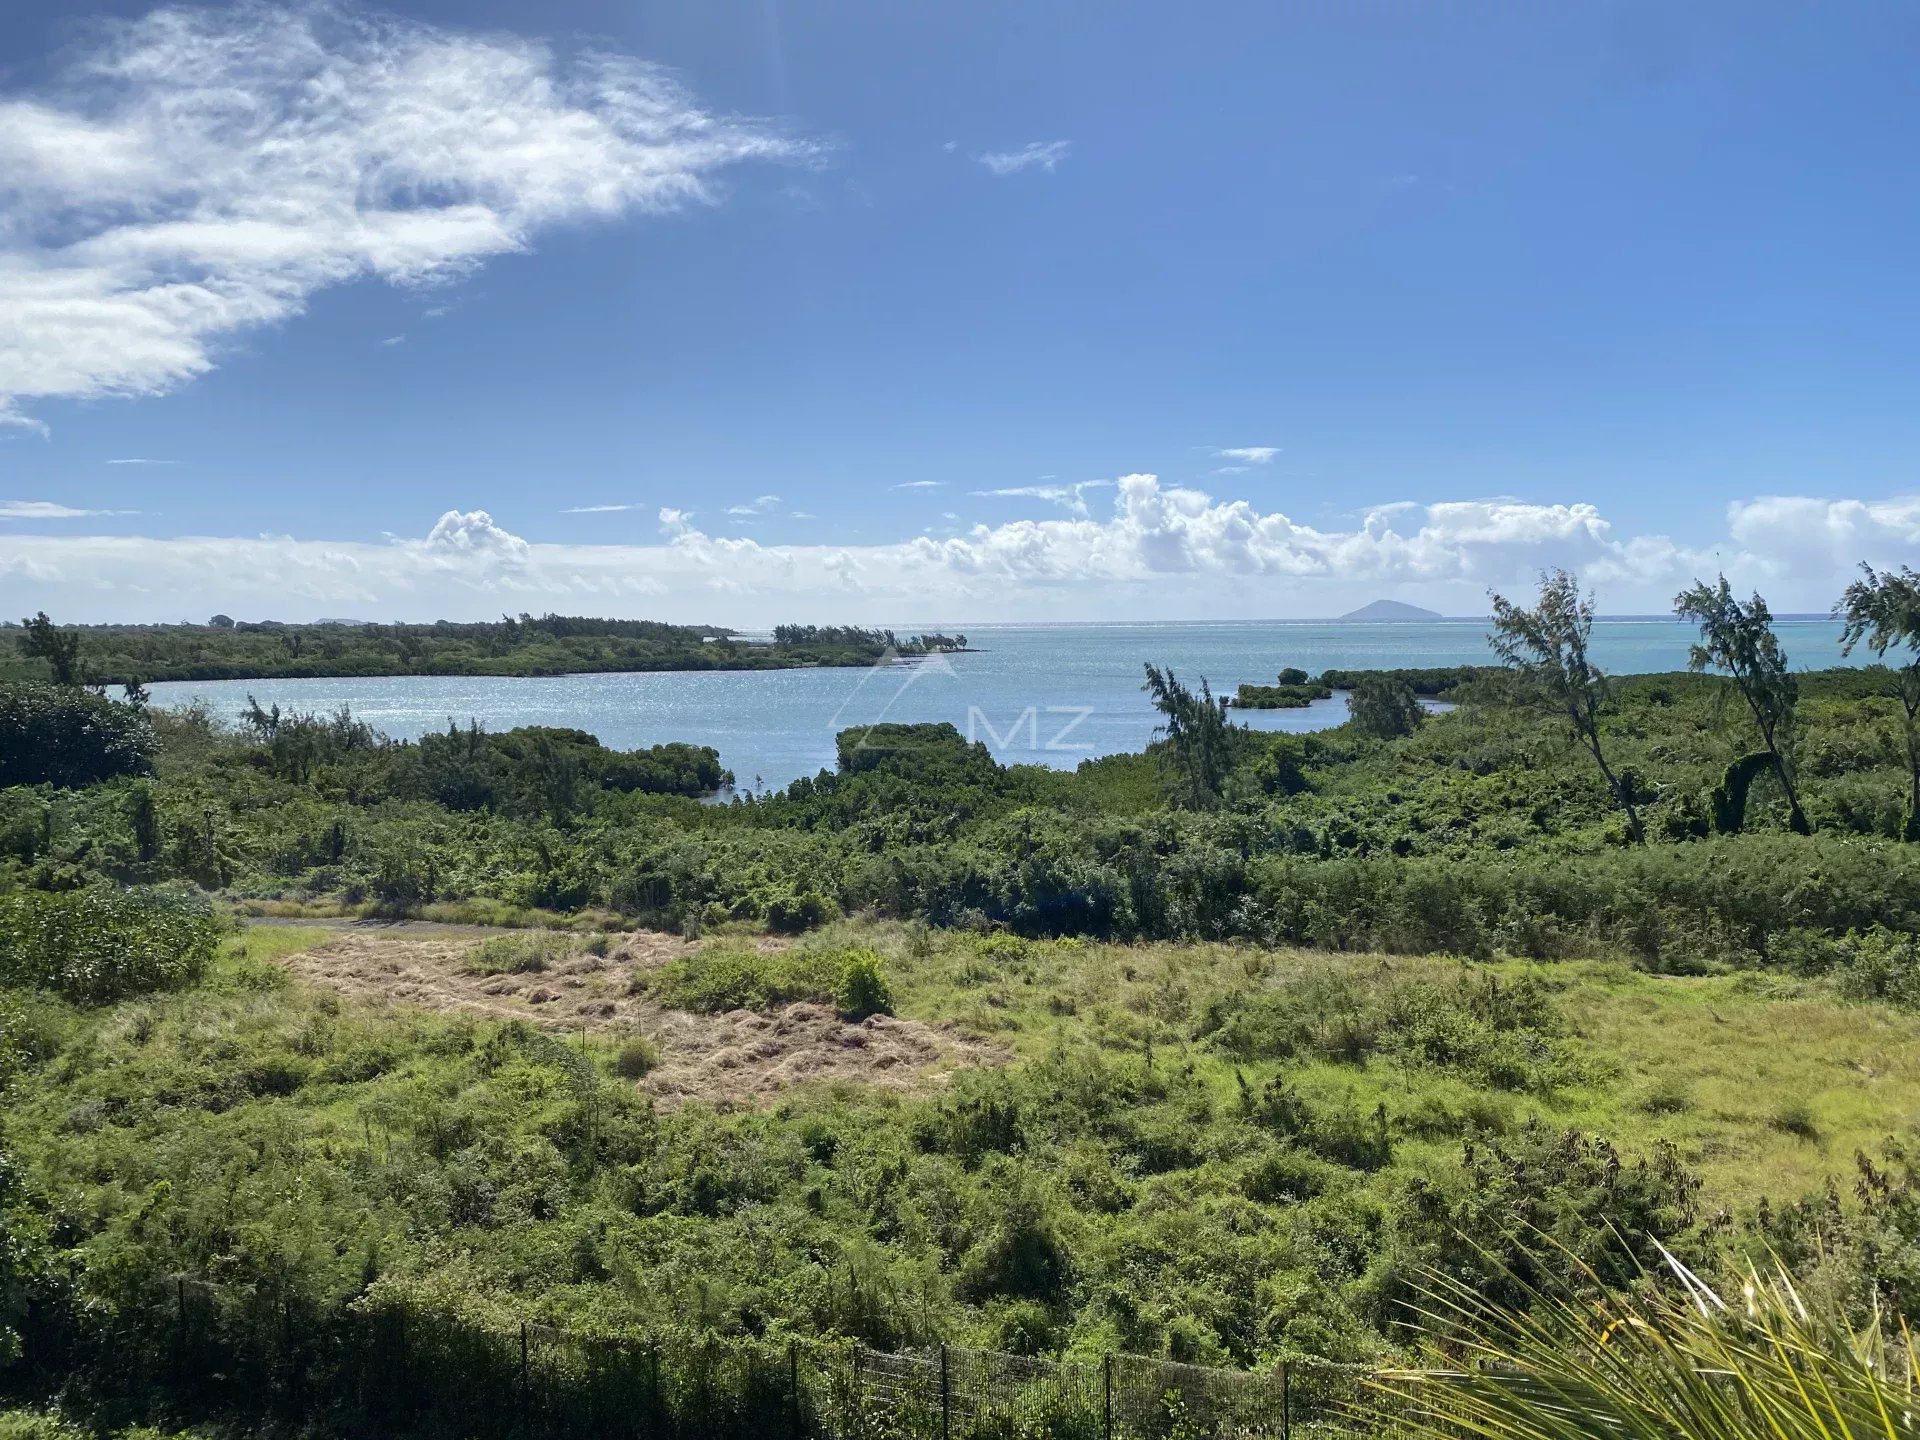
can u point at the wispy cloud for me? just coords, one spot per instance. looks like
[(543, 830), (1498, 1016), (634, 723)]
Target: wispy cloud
[(1035, 155), (394, 340), (598, 509), (1247, 454), (759, 505), (202, 172), (49, 510), (1069, 497), (141, 460), (918, 485)]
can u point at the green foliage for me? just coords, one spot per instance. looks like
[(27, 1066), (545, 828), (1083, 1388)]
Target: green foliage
[(527, 645), (59, 649), (1279, 697), (522, 953), (1882, 610), (1547, 1360), (100, 944), (62, 735), (1546, 649), (1738, 638), (863, 989), (732, 977), (637, 1057), (1199, 745), (1384, 708)]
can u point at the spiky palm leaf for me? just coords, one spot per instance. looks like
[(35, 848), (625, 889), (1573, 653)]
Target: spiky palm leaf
[(1677, 1363)]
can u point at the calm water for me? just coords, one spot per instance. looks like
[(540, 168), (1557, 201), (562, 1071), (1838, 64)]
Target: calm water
[(1053, 694)]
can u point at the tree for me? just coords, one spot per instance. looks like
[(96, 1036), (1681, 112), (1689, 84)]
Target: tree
[(1384, 707), (59, 648), (1883, 610), (221, 622), (1546, 649), (1199, 739), (1739, 639)]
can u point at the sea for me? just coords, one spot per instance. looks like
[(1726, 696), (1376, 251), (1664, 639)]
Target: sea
[(1033, 694)]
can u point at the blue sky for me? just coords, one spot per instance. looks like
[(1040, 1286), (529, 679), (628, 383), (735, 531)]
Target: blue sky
[(914, 312)]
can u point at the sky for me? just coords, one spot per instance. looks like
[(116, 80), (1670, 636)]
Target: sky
[(742, 311)]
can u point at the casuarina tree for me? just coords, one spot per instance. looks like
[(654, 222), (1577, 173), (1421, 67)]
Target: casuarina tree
[(1738, 639), (1546, 648), (1882, 610)]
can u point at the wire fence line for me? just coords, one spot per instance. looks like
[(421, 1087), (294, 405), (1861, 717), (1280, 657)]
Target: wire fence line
[(389, 1366)]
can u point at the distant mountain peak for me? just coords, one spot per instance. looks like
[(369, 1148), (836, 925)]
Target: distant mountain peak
[(1391, 610)]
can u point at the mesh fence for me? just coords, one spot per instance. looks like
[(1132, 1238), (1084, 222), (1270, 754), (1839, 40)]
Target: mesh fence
[(398, 1370)]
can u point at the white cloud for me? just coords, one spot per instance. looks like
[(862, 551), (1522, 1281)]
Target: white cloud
[(473, 532), (136, 460), (393, 340), (1157, 551), (759, 505), (1035, 155), (598, 509), (49, 510), (196, 174), (918, 485), (1247, 454), (1069, 497)]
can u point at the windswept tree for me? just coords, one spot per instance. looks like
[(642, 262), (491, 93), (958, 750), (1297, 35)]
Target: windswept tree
[(1384, 707), (1199, 748), (59, 648), (1739, 640), (1546, 649), (1882, 610)]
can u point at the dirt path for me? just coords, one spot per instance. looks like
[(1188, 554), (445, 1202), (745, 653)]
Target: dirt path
[(739, 1057)]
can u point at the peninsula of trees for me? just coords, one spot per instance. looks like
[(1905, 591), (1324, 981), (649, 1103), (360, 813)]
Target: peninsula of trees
[(225, 649)]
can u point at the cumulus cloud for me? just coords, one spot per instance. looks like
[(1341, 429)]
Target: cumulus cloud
[(196, 174), (1794, 535), (1035, 155), (1157, 550), (473, 533)]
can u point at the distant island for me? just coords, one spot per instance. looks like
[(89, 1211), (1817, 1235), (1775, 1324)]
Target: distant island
[(226, 649), (1392, 610)]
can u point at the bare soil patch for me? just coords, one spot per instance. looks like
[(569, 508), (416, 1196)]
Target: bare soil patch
[(742, 1056)]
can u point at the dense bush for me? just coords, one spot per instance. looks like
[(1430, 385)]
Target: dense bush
[(729, 977), (66, 736), (99, 944)]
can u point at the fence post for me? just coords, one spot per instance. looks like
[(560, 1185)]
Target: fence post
[(180, 1328), (793, 1384), (1106, 1396), (946, 1399)]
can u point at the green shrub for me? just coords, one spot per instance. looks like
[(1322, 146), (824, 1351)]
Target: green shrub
[(636, 1058), (65, 736), (862, 990), (724, 977), (102, 943), (526, 953), (792, 912)]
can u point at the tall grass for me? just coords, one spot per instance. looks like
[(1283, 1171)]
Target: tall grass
[(1676, 1360)]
